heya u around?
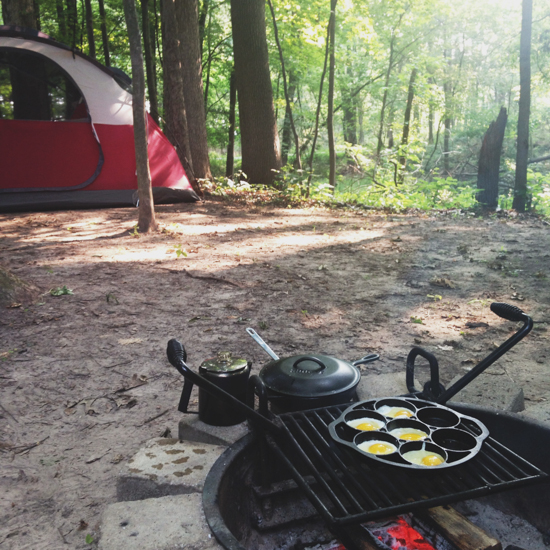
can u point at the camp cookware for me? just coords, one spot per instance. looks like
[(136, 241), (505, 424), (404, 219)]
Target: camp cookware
[(309, 381), (345, 487), (228, 373)]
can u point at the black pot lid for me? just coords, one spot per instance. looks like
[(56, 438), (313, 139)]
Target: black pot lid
[(309, 376), (223, 362)]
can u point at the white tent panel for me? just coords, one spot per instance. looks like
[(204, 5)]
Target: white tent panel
[(107, 102)]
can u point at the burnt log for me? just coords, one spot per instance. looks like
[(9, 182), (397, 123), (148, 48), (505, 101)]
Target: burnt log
[(489, 161)]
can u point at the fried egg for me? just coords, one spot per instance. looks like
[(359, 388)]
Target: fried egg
[(409, 434), (423, 458), (395, 412), (365, 424), (376, 447)]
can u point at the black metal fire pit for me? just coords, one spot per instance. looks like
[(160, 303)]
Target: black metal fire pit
[(347, 489), (228, 507)]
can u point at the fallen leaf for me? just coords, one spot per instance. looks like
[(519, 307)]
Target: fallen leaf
[(445, 348), (442, 282)]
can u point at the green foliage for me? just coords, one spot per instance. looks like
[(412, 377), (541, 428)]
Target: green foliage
[(61, 291)]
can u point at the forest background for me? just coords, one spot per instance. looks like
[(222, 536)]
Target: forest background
[(400, 93)]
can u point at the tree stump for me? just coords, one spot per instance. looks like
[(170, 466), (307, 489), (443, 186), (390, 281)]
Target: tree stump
[(489, 161)]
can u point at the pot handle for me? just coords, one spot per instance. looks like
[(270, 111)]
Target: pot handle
[(432, 388), (308, 371), (367, 359), (177, 353)]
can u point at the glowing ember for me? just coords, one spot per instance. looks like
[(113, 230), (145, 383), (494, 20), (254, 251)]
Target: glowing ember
[(399, 535)]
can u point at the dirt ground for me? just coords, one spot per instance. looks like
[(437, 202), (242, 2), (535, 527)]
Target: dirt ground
[(84, 379)]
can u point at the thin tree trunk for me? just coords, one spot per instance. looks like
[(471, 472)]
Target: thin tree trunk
[(204, 11), (489, 161), (407, 122), (447, 130), (193, 93), (386, 87), (297, 160), (146, 214), (520, 187), (430, 122), (104, 35), (360, 115), (90, 28), (208, 63), (61, 21), (149, 60), (380, 145), (229, 163), (318, 112), (72, 21), (330, 107), (287, 130)]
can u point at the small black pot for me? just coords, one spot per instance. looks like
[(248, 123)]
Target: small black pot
[(303, 382)]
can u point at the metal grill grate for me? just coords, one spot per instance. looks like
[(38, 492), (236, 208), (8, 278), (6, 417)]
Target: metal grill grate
[(347, 488)]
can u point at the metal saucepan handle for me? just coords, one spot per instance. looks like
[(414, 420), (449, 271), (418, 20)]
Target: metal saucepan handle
[(367, 359), (176, 353), (262, 344), (510, 313)]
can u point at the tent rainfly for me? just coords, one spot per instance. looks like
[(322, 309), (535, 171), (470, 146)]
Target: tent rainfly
[(66, 131)]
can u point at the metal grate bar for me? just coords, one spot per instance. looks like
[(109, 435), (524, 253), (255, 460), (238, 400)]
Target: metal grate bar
[(347, 488), (315, 472), (328, 468), (331, 449), (512, 460)]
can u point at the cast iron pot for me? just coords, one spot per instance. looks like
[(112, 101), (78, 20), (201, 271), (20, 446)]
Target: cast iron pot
[(303, 382)]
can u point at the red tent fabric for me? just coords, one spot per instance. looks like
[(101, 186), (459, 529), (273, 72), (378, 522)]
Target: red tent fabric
[(66, 132)]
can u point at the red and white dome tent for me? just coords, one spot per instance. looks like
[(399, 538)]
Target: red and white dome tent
[(66, 131)]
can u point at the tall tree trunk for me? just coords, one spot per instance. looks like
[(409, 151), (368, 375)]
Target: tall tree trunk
[(430, 122), (360, 115), (146, 214), (188, 20), (407, 121), (447, 129), (287, 130), (520, 187), (149, 60), (204, 10), (174, 107), (350, 120), (90, 28), (72, 22), (259, 138), (61, 21), (489, 161), (288, 103), (318, 111), (19, 13), (104, 35), (229, 164), (330, 107), (380, 145)]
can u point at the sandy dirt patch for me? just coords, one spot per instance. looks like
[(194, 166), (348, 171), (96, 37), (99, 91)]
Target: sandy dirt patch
[(84, 379)]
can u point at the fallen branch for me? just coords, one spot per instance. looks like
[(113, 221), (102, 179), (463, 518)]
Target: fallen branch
[(8, 412), (154, 418), (205, 277), (27, 448)]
